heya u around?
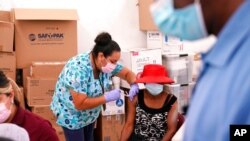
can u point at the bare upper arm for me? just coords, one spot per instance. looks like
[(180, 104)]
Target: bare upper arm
[(131, 111), (172, 116)]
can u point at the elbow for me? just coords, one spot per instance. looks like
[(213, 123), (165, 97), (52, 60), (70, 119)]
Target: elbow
[(128, 128), (80, 106), (172, 132)]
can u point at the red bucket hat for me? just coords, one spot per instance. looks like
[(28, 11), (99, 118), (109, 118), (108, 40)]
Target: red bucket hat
[(154, 73)]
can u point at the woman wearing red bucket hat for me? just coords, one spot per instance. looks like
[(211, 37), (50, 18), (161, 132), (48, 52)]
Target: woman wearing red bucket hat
[(152, 115)]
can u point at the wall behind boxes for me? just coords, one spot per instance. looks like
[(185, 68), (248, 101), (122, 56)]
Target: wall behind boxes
[(120, 19)]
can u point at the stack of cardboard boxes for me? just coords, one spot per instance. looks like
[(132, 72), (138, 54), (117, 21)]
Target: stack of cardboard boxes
[(112, 118), (39, 85), (37, 42), (44, 40), (7, 54)]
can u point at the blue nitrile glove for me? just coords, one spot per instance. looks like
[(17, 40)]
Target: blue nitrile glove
[(112, 95), (134, 89)]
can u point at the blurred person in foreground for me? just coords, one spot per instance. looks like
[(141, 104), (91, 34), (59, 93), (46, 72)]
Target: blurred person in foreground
[(221, 96), (13, 132), (38, 128), (83, 87), (152, 115)]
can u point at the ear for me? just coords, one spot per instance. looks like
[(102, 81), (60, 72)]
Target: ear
[(12, 94)]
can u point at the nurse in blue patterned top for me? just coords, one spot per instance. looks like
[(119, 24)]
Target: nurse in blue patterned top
[(83, 87)]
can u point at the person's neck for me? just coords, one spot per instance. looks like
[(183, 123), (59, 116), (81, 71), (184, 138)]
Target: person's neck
[(150, 96), (13, 113), (154, 102)]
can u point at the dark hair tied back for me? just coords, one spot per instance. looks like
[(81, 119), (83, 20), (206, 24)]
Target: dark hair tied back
[(105, 45), (103, 39)]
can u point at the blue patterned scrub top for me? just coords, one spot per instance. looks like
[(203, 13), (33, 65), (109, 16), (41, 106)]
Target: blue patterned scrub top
[(78, 75)]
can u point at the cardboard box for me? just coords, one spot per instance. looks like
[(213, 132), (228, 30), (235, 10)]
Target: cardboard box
[(8, 64), (46, 113), (136, 58), (7, 32), (45, 35), (182, 92), (46, 69), (179, 67), (40, 91), (6, 16), (42, 70), (154, 39), (145, 18), (109, 128)]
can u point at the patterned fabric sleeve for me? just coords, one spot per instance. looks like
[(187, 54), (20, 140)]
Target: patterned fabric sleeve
[(117, 69), (76, 78)]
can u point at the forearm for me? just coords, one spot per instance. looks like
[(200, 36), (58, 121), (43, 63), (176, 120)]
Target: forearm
[(126, 132), (168, 136), (90, 103)]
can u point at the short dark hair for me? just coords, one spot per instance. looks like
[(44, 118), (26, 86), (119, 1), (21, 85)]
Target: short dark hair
[(105, 44), (4, 82)]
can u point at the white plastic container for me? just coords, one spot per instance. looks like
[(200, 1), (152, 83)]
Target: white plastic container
[(179, 67), (171, 44), (182, 92)]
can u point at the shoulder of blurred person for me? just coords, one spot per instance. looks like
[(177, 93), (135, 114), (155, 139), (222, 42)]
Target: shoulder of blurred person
[(37, 127), (224, 79), (13, 132)]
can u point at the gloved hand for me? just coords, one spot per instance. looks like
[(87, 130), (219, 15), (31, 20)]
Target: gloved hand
[(112, 95), (134, 89)]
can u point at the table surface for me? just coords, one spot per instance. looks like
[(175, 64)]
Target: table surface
[(179, 134)]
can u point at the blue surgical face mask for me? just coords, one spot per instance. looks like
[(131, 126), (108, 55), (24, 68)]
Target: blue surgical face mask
[(154, 89), (186, 23)]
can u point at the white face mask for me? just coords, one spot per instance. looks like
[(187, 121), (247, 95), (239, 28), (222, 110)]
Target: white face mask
[(108, 68), (4, 112), (154, 89)]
